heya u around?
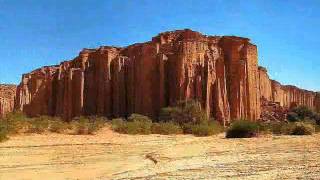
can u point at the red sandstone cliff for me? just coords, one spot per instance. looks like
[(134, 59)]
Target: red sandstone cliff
[(221, 72), (7, 98)]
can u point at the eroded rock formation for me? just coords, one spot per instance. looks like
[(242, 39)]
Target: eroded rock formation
[(221, 72), (7, 98)]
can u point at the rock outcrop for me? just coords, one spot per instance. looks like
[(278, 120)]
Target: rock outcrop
[(221, 72), (7, 98)]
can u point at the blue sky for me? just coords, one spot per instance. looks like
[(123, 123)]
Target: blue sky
[(35, 33)]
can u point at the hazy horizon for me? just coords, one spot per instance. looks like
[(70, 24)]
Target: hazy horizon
[(37, 33)]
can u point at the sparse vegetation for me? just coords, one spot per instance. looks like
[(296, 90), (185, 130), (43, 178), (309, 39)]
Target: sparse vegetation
[(90, 125), (303, 112), (166, 128), (187, 117), (302, 128), (291, 128), (185, 112), (293, 117), (58, 126), (39, 125), (136, 124), (242, 129), (3, 132), (119, 126), (139, 124), (206, 129), (17, 122)]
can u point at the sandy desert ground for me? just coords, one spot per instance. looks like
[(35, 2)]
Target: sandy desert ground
[(108, 155)]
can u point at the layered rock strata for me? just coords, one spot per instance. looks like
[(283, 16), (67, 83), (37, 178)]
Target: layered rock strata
[(7, 98), (221, 72)]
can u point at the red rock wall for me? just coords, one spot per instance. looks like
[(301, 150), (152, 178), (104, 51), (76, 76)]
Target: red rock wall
[(265, 87), (221, 72), (7, 98), (317, 102), (285, 95), (289, 96)]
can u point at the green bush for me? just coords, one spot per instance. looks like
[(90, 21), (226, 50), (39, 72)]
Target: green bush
[(96, 125), (16, 122), (316, 117), (206, 129), (277, 128), (166, 128), (58, 126), (168, 114), (136, 124), (203, 129), (303, 112), (3, 131), (39, 125), (293, 128), (139, 117), (119, 126), (82, 125), (293, 117), (185, 112), (88, 125), (187, 128), (242, 129), (301, 128)]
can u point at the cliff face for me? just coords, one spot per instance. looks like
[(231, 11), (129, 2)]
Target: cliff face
[(7, 98), (286, 96), (221, 72)]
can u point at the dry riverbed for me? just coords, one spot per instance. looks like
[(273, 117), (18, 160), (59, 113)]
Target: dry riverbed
[(108, 155)]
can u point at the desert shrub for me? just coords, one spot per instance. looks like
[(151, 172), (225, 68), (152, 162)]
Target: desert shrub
[(302, 128), (293, 128), (316, 117), (119, 125), (136, 124), (39, 124), (3, 131), (85, 126), (203, 129), (276, 128), (166, 128), (57, 125), (206, 129), (303, 112), (185, 112), (293, 117), (139, 124), (139, 117), (187, 128), (317, 128), (16, 122), (242, 129), (96, 125), (169, 114)]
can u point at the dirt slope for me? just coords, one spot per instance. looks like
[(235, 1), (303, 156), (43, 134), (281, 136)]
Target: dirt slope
[(108, 155)]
